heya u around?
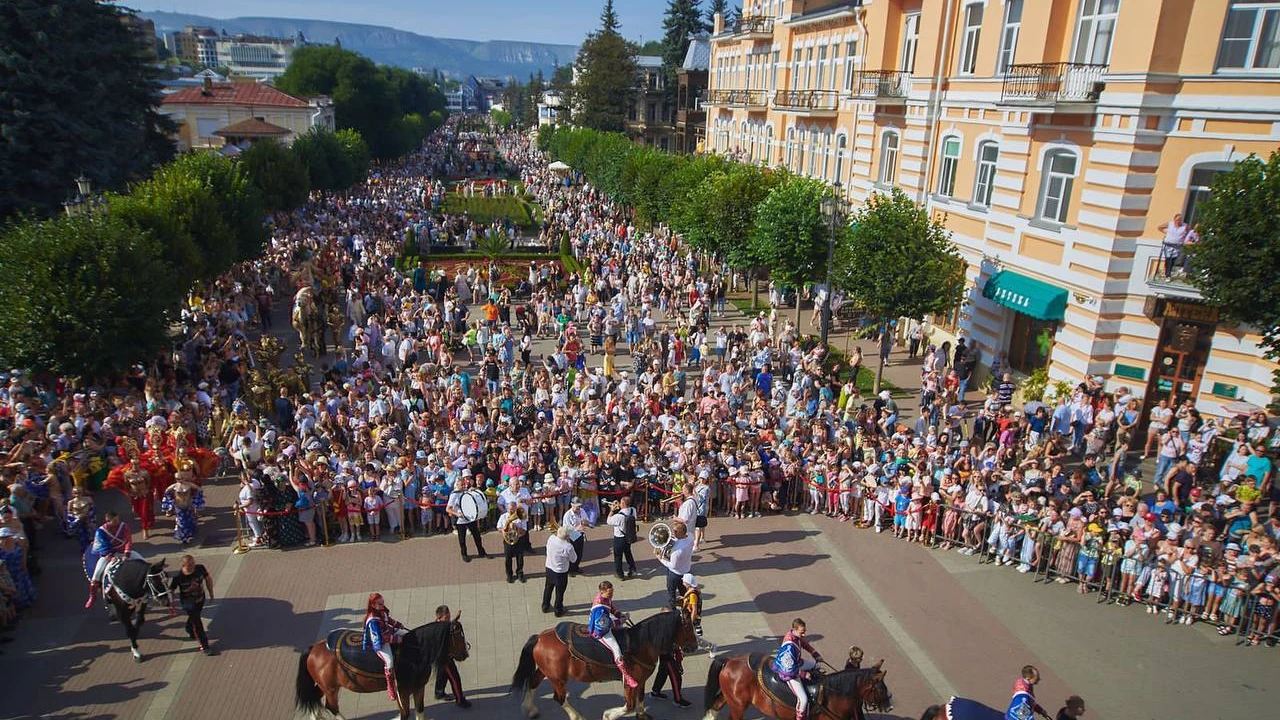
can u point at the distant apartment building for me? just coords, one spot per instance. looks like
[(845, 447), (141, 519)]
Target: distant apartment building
[(195, 45), (1051, 137), (651, 119), (262, 58), (213, 114)]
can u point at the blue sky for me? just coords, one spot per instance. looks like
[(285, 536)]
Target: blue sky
[(555, 21)]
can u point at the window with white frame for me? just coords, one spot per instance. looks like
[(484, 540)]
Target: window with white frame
[(1199, 190), (791, 147), (888, 158), (1095, 31), (822, 68), (795, 68), (841, 142), (826, 154), (910, 41), (808, 69), (1009, 35), (972, 30), (985, 181), (773, 72), (1251, 37), (850, 57), (1058, 176), (948, 165)]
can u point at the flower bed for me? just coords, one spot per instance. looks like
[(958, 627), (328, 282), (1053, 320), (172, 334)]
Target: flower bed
[(487, 210)]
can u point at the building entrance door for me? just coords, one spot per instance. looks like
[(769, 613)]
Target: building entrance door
[(1180, 358)]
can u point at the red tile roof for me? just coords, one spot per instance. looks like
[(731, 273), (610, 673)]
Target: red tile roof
[(251, 94), (252, 127)]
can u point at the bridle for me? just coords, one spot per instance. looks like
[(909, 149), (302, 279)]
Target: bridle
[(456, 632)]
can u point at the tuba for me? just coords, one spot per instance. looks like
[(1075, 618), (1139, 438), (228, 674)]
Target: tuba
[(511, 533), (662, 539)]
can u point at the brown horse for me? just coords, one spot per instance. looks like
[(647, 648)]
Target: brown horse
[(545, 656), (841, 695), (424, 649)]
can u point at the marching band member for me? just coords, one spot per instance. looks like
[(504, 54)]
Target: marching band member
[(454, 509), (603, 619), (514, 529), (111, 539), (790, 665), (576, 521), (380, 632)]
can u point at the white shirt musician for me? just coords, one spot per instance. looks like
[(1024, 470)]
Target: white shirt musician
[(466, 506)]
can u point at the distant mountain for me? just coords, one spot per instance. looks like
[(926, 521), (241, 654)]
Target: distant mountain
[(388, 46)]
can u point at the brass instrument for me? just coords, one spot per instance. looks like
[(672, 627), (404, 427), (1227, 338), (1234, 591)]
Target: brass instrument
[(552, 524), (511, 533), (662, 540)]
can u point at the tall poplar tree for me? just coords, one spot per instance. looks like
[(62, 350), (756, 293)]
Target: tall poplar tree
[(683, 18), (607, 71)]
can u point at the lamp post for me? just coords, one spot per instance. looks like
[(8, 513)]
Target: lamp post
[(83, 201), (831, 209)]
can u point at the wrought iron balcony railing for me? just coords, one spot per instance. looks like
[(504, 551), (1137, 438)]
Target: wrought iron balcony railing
[(811, 100), (882, 84), (1051, 83)]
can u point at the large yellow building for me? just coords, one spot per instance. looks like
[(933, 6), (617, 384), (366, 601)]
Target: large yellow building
[(1053, 137)]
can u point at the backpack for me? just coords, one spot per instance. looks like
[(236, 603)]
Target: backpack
[(629, 528)]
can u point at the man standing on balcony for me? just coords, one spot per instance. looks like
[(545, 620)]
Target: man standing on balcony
[(1175, 237)]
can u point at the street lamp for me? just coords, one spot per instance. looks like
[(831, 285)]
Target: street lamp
[(83, 201), (832, 206)]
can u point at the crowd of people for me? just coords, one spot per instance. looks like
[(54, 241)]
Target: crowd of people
[(399, 436)]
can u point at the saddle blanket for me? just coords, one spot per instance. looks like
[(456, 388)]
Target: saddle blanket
[(964, 709), (588, 649), (775, 687), (348, 646)]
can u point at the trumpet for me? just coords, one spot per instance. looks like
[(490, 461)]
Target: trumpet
[(662, 540)]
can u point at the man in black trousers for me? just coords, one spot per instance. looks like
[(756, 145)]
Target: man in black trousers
[(560, 556), (449, 671), (621, 515)]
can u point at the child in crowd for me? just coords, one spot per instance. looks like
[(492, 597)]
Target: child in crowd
[(373, 513)]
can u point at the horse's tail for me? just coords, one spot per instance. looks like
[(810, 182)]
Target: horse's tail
[(523, 677), (308, 695), (711, 693)]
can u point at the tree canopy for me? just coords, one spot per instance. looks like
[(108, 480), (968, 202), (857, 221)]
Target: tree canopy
[(1237, 260), (278, 174), (607, 70), (83, 295), (393, 109), (683, 18), (78, 94), (790, 235)]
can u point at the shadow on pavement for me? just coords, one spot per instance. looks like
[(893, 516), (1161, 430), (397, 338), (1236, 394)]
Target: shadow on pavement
[(772, 538)]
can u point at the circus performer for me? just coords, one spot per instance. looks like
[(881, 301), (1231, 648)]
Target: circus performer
[(184, 499), (81, 518)]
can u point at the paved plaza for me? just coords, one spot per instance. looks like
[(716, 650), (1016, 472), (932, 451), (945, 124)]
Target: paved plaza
[(942, 622)]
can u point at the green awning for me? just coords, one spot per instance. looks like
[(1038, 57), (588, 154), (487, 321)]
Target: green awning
[(1026, 295)]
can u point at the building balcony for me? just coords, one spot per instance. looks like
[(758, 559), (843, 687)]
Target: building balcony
[(754, 27), (749, 99), (1054, 85), (808, 102), (891, 86), (1173, 284)]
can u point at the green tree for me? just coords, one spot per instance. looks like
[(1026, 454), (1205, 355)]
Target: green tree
[(334, 161), (896, 262), (790, 235), (501, 117), (606, 77), (717, 6), (278, 173), (85, 295), (203, 209), (683, 18), (78, 94), (1237, 260), (377, 102)]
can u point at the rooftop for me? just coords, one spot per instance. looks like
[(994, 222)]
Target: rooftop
[(698, 57), (236, 93), (252, 127), (648, 61)]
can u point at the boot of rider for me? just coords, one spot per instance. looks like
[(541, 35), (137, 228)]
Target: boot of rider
[(626, 676), (391, 684), (94, 588)]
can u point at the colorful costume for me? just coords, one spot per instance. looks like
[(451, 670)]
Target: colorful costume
[(601, 621), (184, 500), (81, 519), (380, 632), (107, 544), (1023, 705), (789, 664)]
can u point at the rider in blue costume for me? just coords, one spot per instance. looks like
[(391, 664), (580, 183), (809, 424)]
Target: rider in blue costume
[(112, 538), (789, 664), (1023, 705), (603, 619), (380, 631)]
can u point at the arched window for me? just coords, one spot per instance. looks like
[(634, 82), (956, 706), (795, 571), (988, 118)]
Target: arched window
[(1058, 176), (791, 147), (888, 158), (826, 155), (948, 165), (985, 180), (841, 141)]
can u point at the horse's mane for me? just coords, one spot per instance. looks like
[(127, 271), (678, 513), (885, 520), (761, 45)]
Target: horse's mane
[(658, 630), (846, 682), (425, 647)]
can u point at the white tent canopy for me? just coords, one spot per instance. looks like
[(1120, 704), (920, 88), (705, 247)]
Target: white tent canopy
[(559, 167)]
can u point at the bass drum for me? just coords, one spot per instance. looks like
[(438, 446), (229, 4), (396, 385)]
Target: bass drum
[(473, 505)]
